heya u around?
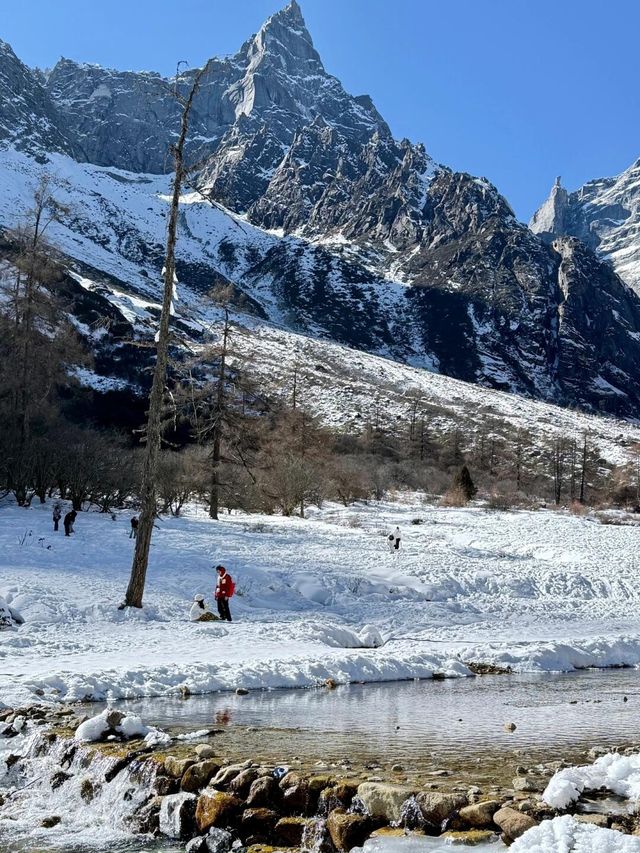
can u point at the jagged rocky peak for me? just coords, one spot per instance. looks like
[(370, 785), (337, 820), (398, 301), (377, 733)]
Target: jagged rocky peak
[(550, 218), (604, 214), (28, 120)]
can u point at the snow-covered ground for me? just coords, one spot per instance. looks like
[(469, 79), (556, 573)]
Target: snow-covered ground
[(533, 590)]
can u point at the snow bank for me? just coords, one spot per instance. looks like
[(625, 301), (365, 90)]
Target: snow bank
[(561, 835), (317, 598), (619, 774), (566, 835)]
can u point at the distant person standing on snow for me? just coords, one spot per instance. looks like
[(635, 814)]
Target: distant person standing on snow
[(133, 533), (69, 519), (225, 587), (396, 539), (57, 515)]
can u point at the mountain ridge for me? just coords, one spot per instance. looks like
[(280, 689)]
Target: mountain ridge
[(348, 234)]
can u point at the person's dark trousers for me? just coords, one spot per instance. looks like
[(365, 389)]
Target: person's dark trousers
[(67, 528), (397, 545), (55, 524), (223, 609)]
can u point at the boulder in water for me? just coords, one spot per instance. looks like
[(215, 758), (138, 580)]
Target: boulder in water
[(383, 800), (177, 813)]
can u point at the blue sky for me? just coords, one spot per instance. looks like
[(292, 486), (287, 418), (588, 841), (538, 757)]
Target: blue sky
[(518, 91)]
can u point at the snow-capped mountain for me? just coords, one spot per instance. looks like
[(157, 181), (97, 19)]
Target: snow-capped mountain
[(604, 214), (308, 205)]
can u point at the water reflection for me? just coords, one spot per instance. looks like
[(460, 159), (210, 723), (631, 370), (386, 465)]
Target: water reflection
[(423, 717)]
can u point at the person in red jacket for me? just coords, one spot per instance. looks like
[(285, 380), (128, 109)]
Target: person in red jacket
[(224, 591)]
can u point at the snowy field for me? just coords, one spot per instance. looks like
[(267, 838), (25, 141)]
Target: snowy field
[(533, 590)]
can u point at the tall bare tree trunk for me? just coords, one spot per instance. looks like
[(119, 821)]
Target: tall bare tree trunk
[(135, 590), (216, 453)]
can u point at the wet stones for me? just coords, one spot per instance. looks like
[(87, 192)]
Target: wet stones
[(257, 825), (436, 808), (264, 792), (241, 784), (513, 823), (50, 822), (198, 776), (204, 751), (480, 815), (177, 815), (216, 808), (58, 779), (177, 767), (525, 783), (383, 800), (348, 830), (291, 830)]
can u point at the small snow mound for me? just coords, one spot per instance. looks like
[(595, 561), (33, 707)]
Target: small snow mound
[(341, 637), (564, 834), (371, 638), (107, 723), (617, 773)]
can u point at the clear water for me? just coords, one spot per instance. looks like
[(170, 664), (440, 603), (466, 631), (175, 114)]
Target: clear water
[(426, 725), (420, 719)]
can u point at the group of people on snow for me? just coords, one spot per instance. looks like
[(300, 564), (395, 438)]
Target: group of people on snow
[(67, 522), (225, 588)]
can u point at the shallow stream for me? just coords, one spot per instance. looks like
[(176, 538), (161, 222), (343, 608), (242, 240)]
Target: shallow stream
[(436, 733)]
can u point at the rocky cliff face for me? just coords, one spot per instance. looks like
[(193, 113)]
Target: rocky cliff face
[(347, 233), (604, 214), (28, 118)]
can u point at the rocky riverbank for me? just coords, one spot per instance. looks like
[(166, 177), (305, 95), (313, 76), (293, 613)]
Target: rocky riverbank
[(186, 790)]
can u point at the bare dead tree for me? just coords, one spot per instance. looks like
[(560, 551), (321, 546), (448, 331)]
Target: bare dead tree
[(135, 590)]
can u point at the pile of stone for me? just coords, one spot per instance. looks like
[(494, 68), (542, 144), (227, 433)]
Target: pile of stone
[(213, 807)]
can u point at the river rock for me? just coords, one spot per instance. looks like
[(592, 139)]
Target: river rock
[(177, 767), (146, 820), (165, 785), (480, 815), (58, 779), (216, 808), (264, 792), (205, 751), (218, 841), (337, 796), (241, 784), (197, 845), (87, 790), (199, 775), (258, 824), (437, 807), (384, 800), (513, 823), (348, 830), (50, 822), (226, 774), (510, 727), (296, 798), (525, 783), (177, 813), (289, 830)]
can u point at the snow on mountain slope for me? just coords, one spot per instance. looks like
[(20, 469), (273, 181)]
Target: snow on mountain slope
[(366, 241), (605, 214), (113, 241)]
